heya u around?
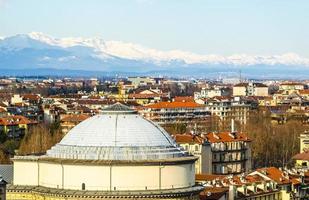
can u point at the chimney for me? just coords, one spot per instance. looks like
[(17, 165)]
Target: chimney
[(232, 126)]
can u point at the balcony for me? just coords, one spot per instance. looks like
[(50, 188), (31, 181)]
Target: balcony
[(230, 161), (229, 150)]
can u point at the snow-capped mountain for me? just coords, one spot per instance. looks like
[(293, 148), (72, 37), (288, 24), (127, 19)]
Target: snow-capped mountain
[(37, 50), (138, 52)]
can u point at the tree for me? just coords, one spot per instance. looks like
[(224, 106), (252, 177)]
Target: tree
[(39, 139), (273, 144)]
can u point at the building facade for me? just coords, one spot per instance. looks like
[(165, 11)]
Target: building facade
[(250, 89), (165, 113), (219, 153)]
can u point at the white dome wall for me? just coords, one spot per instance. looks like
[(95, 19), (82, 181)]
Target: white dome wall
[(103, 177)]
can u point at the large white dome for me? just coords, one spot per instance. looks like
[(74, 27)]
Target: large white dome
[(117, 134)]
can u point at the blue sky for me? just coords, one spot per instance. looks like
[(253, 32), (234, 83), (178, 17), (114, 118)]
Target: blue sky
[(202, 26)]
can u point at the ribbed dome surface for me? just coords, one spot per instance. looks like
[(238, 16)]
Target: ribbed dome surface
[(117, 130), (117, 134)]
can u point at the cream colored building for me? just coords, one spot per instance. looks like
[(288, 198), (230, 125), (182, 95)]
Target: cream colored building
[(141, 81), (219, 153), (117, 154), (250, 89), (240, 89), (304, 142)]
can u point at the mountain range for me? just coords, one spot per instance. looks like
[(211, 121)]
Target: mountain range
[(37, 53)]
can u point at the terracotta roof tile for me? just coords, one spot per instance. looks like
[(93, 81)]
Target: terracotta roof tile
[(184, 99), (302, 156), (15, 120), (188, 138), (213, 193), (303, 92), (33, 97), (208, 177), (74, 118), (211, 137), (275, 174), (291, 83), (226, 137)]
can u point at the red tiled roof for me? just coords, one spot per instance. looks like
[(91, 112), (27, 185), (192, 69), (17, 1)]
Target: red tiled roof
[(302, 156), (303, 92), (236, 179), (275, 174), (291, 83), (218, 98), (295, 180), (211, 137), (188, 138), (74, 118), (208, 177), (15, 120), (226, 137), (213, 193), (248, 179), (34, 97), (184, 99)]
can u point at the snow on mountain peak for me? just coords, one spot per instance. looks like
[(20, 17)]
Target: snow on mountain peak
[(138, 52)]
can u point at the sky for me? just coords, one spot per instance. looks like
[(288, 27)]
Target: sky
[(224, 27)]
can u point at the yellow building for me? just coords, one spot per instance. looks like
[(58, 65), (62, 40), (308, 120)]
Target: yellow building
[(304, 141), (15, 126), (67, 122), (302, 159)]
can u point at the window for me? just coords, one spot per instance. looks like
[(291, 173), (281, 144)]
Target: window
[(83, 186)]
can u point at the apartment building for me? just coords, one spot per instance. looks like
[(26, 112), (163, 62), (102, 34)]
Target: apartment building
[(141, 81), (250, 89), (227, 108), (219, 153), (148, 96), (175, 112), (291, 86), (15, 126), (211, 92)]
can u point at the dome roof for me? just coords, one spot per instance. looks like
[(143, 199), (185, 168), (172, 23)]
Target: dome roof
[(119, 133)]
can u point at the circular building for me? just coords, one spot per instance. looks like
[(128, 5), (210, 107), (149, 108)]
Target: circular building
[(117, 154)]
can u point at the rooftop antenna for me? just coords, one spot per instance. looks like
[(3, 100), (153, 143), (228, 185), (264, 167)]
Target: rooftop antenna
[(240, 76)]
